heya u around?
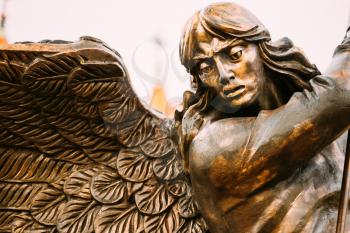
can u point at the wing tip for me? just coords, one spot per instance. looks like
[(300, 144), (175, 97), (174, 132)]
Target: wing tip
[(54, 46)]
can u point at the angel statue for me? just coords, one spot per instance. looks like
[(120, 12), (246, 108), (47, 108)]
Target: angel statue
[(258, 147)]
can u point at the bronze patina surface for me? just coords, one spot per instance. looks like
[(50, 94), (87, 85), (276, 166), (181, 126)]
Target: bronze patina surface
[(258, 147), (263, 140)]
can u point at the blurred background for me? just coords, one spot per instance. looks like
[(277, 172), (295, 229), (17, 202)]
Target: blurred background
[(147, 33)]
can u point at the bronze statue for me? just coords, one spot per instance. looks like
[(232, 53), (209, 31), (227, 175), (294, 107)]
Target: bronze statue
[(273, 167), (259, 144)]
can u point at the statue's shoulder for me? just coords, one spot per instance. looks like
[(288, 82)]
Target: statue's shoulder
[(225, 136)]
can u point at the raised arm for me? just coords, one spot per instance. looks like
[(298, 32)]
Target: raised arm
[(283, 139)]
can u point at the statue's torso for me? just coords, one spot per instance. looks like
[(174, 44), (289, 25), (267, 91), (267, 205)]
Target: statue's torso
[(305, 201)]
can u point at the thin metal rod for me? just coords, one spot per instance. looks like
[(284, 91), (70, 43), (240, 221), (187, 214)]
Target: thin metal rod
[(344, 195)]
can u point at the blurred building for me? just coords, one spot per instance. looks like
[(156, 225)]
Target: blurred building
[(159, 101), (3, 23)]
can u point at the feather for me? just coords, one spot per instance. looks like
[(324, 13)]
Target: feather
[(78, 150)]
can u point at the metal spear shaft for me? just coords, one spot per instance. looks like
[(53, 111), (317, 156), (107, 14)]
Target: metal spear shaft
[(345, 186), (344, 194)]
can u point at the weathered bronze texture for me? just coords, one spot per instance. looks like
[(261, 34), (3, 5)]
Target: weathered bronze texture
[(79, 153), (258, 147), (262, 135)]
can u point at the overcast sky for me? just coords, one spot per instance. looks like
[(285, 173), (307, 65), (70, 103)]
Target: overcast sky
[(131, 27)]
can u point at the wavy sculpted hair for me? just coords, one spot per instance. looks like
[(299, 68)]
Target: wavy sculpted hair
[(286, 65)]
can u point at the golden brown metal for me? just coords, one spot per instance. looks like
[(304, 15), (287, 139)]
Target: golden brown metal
[(263, 134), (260, 139), (78, 151)]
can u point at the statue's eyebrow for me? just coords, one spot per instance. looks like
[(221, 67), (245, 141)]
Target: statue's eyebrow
[(201, 57), (229, 43)]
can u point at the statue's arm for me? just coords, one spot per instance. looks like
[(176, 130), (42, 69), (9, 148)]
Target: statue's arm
[(282, 139)]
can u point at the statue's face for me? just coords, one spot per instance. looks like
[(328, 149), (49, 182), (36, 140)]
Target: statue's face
[(231, 68)]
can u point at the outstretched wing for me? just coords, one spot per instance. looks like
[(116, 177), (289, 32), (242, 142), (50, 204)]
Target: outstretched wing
[(79, 152)]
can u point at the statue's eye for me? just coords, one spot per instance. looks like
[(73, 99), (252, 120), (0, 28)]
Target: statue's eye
[(236, 53), (205, 68)]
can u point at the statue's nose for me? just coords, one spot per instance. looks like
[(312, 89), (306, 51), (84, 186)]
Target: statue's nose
[(225, 73)]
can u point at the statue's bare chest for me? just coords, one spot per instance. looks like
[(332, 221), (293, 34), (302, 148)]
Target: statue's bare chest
[(219, 141), (213, 163)]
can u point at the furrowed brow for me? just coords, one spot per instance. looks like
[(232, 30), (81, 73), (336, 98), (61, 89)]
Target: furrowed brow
[(201, 57), (229, 43)]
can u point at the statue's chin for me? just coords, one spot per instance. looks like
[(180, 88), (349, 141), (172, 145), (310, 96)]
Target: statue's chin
[(233, 105)]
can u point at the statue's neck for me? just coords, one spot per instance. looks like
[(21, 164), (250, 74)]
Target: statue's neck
[(270, 97)]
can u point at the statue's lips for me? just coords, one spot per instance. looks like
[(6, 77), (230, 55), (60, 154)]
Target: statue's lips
[(234, 91)]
